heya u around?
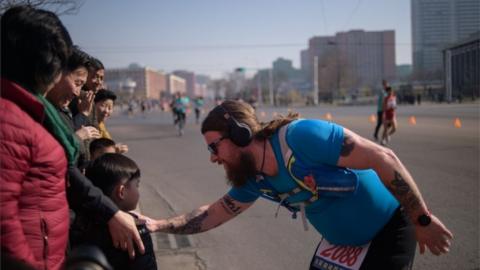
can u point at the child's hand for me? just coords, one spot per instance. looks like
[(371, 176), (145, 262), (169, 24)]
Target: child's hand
[(121, 148)]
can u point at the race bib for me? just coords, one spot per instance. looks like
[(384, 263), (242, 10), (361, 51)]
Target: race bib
[(335, 257)]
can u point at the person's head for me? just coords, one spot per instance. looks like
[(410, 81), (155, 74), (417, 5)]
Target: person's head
[(96, 75), (72, 81), (104, 100), (35, 47), (101, 146), (229, 129), (118, 177), (389, 90), (384, 85)]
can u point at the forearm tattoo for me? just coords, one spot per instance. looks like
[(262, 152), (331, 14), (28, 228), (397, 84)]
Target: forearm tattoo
[(400, 188), (193, 223), (347, 145), (229, 205)]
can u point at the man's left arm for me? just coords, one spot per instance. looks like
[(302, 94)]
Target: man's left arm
[(360, 153)]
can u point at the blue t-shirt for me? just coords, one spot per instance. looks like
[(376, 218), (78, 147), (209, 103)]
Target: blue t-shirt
[(345, 220)]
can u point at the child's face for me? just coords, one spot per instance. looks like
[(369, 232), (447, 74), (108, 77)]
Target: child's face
[(104, 109), (131, 194)]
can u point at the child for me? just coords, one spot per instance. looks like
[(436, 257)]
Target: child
[(104, 101), (101, 146), (118, 177)]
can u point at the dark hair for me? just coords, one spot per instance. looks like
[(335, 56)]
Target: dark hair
[(104, 94), (110, 169), (77, 59), (244, 113), (100, 143), (35, 47), (95, 64)]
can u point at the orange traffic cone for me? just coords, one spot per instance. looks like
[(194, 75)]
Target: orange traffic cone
[(328, 116), (372, 118), (412, 120), (457, 123)]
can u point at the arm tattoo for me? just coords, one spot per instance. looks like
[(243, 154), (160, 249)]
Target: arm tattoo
[(347, 146), (229, 205), (404, 193), (193, 224)]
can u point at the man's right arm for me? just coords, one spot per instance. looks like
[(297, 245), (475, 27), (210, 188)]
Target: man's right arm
[(202, 219)]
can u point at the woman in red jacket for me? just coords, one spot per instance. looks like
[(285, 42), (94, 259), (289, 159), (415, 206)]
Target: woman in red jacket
[(37, 148), (34, 211)]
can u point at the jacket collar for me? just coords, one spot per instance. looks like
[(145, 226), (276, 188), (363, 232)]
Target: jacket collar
[(24, 99)]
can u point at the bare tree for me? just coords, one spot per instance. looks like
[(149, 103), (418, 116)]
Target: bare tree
[(60, 7)]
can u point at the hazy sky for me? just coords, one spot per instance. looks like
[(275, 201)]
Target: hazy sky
[(213, 37)]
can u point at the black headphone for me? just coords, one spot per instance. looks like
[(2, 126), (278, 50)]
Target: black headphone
[(239, 133)]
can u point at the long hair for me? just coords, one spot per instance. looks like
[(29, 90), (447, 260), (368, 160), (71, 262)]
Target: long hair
[(271, 127), (35, 47), (244, 113)]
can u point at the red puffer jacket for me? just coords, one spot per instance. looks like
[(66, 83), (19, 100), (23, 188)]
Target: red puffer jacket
[(34, 210)]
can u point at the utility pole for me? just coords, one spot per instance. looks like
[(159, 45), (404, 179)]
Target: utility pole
[(315, 80)]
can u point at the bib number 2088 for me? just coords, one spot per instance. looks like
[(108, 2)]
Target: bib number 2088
[(330, 256)]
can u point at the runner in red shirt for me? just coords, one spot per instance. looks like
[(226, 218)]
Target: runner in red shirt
[(389, 119)]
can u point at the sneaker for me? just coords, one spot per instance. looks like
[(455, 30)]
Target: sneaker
[(383, 142)]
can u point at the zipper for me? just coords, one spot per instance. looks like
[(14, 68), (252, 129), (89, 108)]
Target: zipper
[(44, 229)]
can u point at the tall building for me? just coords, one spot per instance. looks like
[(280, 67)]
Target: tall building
[(437, 24), (462, 69), (403, 72), (190, 81), (317, 47), (202, 86), (136, 81), (304, 60), (350, 60), (369, 56), (176, 84)]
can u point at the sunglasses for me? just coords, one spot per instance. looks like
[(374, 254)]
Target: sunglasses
[(212, 147)]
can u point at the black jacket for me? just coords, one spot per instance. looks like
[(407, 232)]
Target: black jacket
[(97, 234), (82, 195)]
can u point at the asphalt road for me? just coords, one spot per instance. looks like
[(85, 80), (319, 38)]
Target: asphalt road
[(178, 177)]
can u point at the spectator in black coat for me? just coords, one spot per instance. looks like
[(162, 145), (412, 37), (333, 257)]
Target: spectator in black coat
[(119, 178)]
